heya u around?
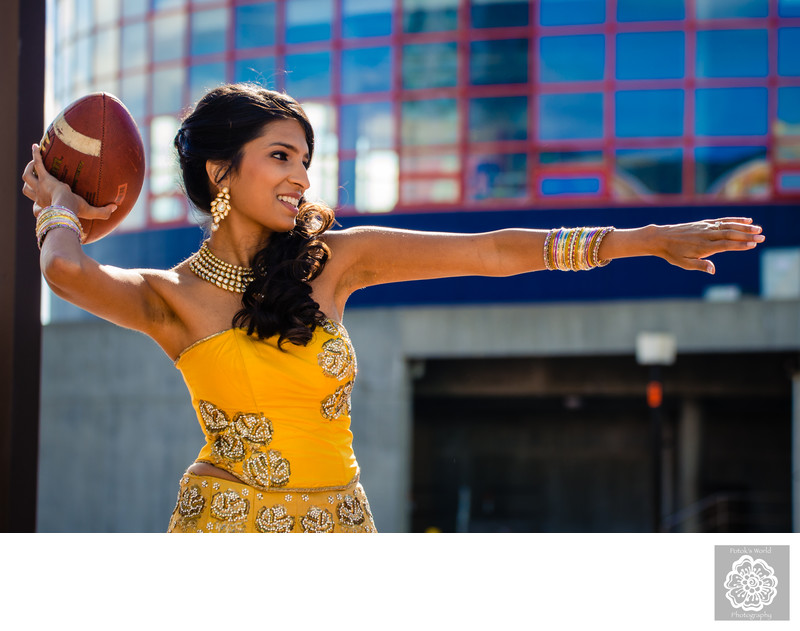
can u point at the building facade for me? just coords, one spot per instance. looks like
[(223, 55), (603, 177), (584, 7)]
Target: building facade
[(481, 404)]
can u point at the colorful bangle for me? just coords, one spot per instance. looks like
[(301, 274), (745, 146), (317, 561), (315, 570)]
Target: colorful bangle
[(574, 249), (57, 217)]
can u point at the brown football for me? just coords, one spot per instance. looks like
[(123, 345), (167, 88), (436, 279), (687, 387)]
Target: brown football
[(95, 147)]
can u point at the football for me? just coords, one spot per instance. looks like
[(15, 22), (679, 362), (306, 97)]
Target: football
[(94, 146)]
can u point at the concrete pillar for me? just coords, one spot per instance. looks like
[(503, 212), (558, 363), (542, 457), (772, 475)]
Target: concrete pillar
[(796, 452), (688, 440)]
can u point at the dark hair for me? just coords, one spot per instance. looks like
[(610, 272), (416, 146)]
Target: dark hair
[(279, 300)]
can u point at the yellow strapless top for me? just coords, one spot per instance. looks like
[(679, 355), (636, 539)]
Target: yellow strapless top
[(275, 418)]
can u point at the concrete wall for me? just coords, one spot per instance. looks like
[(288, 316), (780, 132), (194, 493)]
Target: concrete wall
[(118, 428)]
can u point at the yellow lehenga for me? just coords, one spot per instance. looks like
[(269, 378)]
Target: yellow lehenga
[(278, 420)]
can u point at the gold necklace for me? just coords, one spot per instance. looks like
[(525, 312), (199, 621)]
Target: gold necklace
[(234, 278)]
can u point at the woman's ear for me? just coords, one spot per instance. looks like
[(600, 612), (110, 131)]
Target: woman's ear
[(215, 171)]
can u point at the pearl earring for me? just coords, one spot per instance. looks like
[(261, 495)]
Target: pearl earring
[(220, 207)]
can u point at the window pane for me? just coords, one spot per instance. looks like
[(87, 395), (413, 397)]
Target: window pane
[(133, 8), (734, 53), (260, 70), (106, 52), (209, 29), (167, 4), (572, 58), (430, 15), (714, 9), (167, 209), (106, 11), (730, 111), (570, 186), (308, 75), (168, 91), (789, 52), (789, 8), (324, 171), (564, 12), (498, 61), (134, 45), (501, 176), (569, 116), (728, 172), (641, 172), (308, 20), (366, 70), (571, 157), (428, 163), (430, 65), (503, 118), (788, 123), (255, 25), (495, 13), (168, 36), (650, 55), (134, 93), (638, 11), (367, 125), (367, 18), (163, 169), (370, 181), (649, 113), (432, 122), (204, 78), (433, 191)]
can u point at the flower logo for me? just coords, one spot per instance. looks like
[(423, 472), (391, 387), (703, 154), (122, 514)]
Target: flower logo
[(751, 584)]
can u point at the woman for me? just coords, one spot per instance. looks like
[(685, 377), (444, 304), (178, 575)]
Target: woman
[(253, 319)]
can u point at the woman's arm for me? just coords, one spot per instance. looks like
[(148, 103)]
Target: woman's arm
[(370, 256)]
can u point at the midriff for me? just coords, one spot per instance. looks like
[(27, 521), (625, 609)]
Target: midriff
[(203, 468)]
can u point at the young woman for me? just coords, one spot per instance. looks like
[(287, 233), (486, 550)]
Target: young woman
[(253, 319)]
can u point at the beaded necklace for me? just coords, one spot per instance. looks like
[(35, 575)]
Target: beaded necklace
[(234, 278)]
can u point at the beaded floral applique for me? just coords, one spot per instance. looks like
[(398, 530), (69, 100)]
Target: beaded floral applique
[(317, 520), (274, 519), (338, 361)]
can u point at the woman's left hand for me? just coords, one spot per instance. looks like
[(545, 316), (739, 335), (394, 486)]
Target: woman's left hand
[(688, 245)]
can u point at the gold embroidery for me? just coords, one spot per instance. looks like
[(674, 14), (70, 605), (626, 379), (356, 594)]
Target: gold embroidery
[(337, 404), (256, 428), (336, 359), (274, 519), (191, 502), (317, 520), (215, 419), (350, 511), (228, 506), (267, 469), (229, 447)]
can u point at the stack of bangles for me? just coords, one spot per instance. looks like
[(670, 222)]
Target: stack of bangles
[(574, 249), (57, 217)]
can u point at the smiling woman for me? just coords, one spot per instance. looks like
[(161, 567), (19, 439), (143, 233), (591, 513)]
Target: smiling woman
[(253, 320)]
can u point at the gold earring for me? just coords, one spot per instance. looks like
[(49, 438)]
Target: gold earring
[(220, 207)]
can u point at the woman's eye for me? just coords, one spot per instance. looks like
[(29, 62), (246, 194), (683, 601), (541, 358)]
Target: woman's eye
[(280, 155)]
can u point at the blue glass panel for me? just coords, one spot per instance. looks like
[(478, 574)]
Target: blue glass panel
[(714, 166), (572, 58), (789, 52), (644, 11), (347, 182), (204, 78), (789, 8), (167, 91), (716, 9), (649, 113), (431, 122), (567, 12), (255, 25), (259, 70), (366, 70), (555, 186), (421, 16), (571, 157), (308, 20), (732, 53), (367, 18), (308, 75), (788, 112), (650, 55), (500, 118), (168, 37), (789, 182), (646, 171), (501, 176), (497, 13), (568, 116), (730, 111), (430, 65), (367, 123), (209, 29), (134, 45), (498, 61)]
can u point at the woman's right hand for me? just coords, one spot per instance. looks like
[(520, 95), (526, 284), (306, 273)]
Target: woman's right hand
[(45, 190)]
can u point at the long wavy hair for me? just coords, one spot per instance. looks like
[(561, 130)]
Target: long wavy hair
[(278, 301)]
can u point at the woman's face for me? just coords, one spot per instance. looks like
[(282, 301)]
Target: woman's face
[(271, 178)]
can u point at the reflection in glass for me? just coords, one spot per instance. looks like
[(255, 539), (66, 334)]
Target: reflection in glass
[(571, 116), (502, 176), (260, 70), (499, 118), (134, 8), (650, 55), (638, 11), (732, 53), (430, 191), (426, 163), (789, 52), (788, 123), (431, 122), (168, 90), (497, 13), (421, 16), (367, 124), (715, 9), (208, 31), (367, 18), (168, 36), (134, 45), (730, 111), (498, 61), (308, 20), (643, 172), (366, 70), (570, 186), (571, 157), (324, 170), (255, 25), (203, 78), (430, 65), (648, 113), (370, 182), (571, 58), (163, 169), (789, 8), (732, 172), (568, 12), (308, 75), (137, 218)]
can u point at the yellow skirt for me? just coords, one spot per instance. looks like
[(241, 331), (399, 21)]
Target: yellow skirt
[(209, 504)]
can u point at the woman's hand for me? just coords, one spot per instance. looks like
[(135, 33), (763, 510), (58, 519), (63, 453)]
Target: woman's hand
[(688, 245), (45, 190)]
